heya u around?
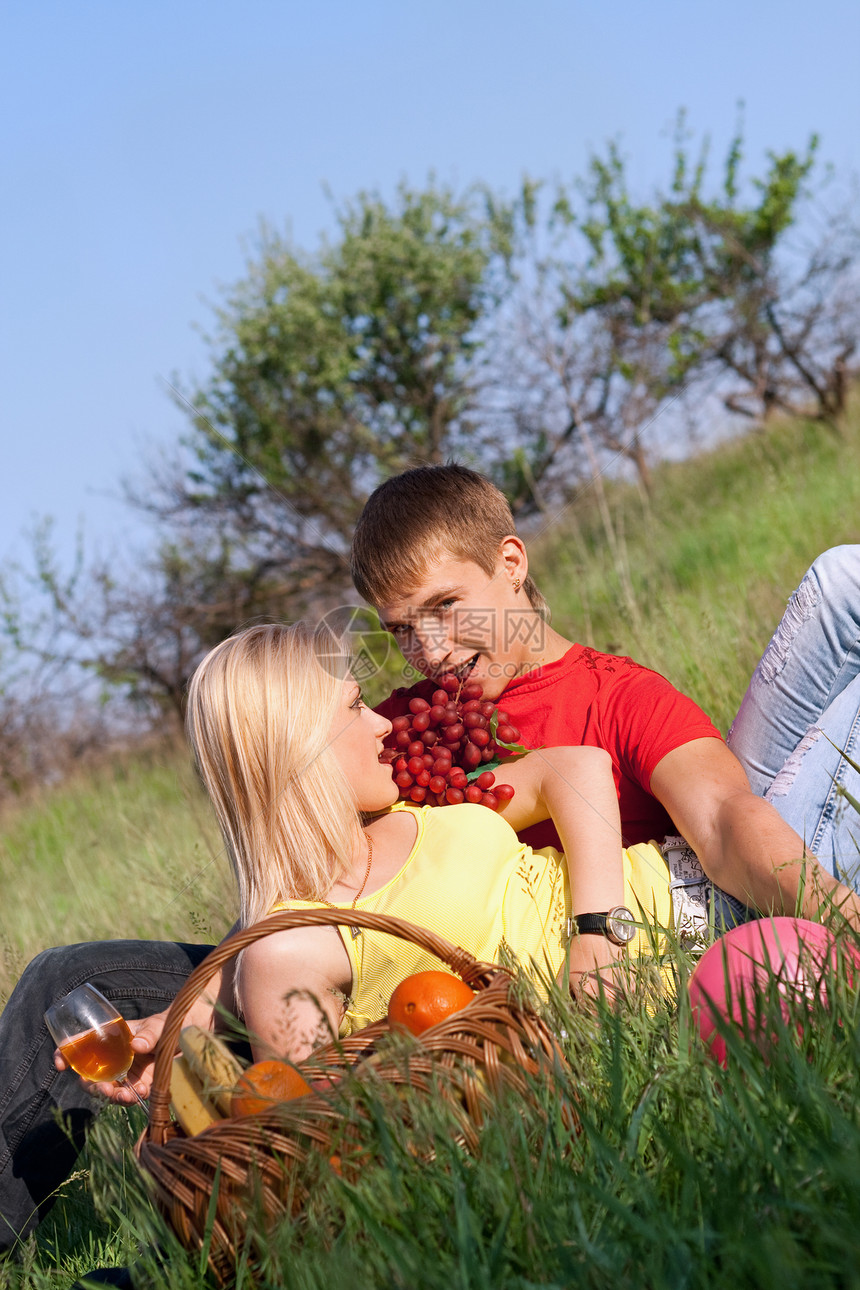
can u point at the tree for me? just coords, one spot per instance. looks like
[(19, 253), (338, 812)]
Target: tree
[(630, 308), (104, 628), (541, 340), (328, 374), (51, 714)]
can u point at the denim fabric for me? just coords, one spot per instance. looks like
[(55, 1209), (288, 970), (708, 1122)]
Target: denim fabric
[(36, 1156), (727, 911), (800, 718)]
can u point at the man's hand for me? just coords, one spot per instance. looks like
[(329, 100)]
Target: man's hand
[(145, 1033)]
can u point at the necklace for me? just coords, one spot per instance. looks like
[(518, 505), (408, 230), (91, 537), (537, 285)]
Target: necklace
[(356, 931)]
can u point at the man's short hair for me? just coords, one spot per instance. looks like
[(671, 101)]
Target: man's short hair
[(416, 517)]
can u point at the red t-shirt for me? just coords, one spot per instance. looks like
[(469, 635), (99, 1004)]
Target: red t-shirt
[(603, 702)]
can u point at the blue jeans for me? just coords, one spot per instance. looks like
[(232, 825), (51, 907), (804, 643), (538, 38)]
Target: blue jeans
[(799, 722), (36, 1155)]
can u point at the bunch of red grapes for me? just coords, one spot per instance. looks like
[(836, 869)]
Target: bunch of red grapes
[(438, 744)]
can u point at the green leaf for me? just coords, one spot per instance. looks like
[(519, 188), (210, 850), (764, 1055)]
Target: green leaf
[(519, 749), (479, 770)]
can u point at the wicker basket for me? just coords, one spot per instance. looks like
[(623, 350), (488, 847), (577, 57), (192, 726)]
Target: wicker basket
[(204, 1184)]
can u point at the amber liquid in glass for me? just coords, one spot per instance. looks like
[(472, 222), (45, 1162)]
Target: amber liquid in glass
[(103, 1053)]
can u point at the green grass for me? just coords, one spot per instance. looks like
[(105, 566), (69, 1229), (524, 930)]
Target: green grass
[(130, 850), (682, 1176), (710, 561)]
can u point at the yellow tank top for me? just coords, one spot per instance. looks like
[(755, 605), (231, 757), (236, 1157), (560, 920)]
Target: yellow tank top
[(489, 893)]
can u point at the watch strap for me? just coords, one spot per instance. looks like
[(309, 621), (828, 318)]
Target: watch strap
[(588, 924), (617, 925)]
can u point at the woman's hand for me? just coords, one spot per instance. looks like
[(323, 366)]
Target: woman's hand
[(595, 966), (145, 1034)]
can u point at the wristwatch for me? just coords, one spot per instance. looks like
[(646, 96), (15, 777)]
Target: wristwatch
[(617, 925)]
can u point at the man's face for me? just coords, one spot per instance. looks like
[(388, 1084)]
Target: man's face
[(461, 619)]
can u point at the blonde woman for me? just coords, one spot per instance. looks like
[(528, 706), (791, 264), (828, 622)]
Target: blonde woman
[(289, 754)]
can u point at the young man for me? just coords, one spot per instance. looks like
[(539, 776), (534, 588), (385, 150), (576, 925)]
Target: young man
[(437, 552)]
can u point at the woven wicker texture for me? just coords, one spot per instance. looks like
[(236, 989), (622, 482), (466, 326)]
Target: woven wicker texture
[(205, 1184)]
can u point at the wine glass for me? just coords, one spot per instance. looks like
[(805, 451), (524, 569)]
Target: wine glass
[(92, 1036)]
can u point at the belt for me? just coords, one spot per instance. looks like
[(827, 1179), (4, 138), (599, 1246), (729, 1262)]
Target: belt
[(690, 890)]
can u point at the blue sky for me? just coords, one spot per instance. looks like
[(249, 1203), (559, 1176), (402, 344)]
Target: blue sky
[(143, 142)]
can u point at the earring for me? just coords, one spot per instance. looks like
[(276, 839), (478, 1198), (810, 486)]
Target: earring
[(516, 584)]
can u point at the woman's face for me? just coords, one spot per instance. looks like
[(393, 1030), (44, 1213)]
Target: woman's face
[(355, 738)]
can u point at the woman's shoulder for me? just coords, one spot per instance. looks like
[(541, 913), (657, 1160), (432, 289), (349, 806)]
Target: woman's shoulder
[(404, 821), (452, 828), (281, 947), (460, 815), (468, 823)]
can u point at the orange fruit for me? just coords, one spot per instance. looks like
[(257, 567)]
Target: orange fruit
[(426, 998), (264, 1084)]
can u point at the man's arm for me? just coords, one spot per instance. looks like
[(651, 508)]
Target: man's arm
[(744, 845)]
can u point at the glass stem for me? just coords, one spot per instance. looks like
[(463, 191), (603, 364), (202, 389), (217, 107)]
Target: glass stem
[(122, 1080)]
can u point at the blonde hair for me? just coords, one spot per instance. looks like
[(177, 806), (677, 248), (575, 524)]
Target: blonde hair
[(416, 516), (260, 708)]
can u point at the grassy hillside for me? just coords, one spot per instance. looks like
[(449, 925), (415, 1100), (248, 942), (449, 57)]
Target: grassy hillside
[(703, 570), (128, 850), (681, 1175), (700, 580)]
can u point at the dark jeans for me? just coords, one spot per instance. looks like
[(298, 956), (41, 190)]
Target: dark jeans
[(36, 1156)]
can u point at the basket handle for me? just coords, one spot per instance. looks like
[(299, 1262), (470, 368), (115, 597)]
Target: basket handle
[(466, 966)]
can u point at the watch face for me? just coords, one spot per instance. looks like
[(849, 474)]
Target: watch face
[(620, 924)]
